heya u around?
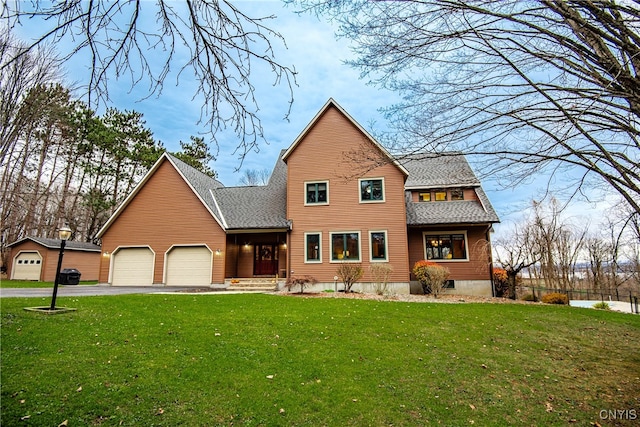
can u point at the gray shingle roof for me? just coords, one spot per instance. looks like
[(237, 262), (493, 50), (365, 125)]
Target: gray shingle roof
[(451, 212), (433, 171), (55, 244), (442, 171), (201, 183), (264, 206), (256, 207)]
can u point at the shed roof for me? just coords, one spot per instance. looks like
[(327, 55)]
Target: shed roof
[(443, 170), (451, 212), (428, 171)]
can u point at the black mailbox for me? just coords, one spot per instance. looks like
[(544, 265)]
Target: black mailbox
[(69, 276)]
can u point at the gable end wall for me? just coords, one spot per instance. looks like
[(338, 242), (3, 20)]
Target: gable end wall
[(164, 213), (319, 156)]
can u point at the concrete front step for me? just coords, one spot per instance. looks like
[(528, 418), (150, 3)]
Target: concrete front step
[(253, 284), (251, 288)]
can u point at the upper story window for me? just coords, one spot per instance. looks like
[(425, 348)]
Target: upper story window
[(372, 190), (441, 195), (424, 197), (316, 193), (457, 194)]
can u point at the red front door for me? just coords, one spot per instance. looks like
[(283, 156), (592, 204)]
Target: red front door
[(265, 260)]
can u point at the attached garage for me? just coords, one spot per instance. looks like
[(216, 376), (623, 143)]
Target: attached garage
[(27, 266), (132, 267), (188, 266)]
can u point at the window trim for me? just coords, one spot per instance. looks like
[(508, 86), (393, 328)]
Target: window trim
[(332, 233), (386, 246), (381, 179), (313, 261), (439, 233), (306, 203)]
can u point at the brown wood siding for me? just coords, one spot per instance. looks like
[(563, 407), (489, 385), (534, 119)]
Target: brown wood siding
[(88, 263), (231, 265), (320, 157), (477, 268), (149, 221)]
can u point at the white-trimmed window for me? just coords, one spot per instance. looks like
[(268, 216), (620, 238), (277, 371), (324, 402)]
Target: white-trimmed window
[(371, 190), (313, 247), (446, 246), (345, 246), (378, 246), (316, 193)]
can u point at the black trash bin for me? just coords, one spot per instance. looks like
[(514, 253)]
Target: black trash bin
[(69, 276)]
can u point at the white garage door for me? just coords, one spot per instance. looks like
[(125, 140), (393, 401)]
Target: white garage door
[(27, 266), (132, 267), (189, 266)]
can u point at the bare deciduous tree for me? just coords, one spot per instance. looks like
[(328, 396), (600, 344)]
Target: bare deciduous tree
[(211, 42), (20, 71), (545, 84), (255, 177), (515, 252)]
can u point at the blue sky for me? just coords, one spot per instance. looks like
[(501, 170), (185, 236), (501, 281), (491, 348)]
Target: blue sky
[(317, 57)]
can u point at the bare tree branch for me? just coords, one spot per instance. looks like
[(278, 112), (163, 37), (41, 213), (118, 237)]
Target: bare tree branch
[(523, 85), (123, 40)]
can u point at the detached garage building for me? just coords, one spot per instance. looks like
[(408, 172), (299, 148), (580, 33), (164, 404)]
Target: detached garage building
[(36, 258)]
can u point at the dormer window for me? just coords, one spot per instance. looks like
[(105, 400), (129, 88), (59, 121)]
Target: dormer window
[(457, 194), (441, 195)]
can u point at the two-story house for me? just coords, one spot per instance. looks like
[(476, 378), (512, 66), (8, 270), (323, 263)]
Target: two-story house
[(334, 196)]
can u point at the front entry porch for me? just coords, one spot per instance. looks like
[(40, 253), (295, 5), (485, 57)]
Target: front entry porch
[(256, 256)]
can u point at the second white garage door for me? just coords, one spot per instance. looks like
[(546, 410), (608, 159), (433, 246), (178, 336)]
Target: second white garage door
[(132, 267), (189, 266)]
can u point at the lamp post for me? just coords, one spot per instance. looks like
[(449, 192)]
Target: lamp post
[(64, 233)]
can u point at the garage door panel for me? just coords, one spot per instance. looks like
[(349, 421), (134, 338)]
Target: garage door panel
[(27, 266), (189, 266), (133, 267)]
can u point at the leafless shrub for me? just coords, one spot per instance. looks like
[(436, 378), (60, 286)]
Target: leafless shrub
[(381, 274), (350, 273), (302, 281), (431, 276)]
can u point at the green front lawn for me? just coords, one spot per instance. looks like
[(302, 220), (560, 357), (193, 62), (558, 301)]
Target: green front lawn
[(35, 284), (265, 360)]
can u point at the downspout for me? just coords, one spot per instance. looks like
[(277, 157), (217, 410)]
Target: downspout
[(493, 285), (288, 266)]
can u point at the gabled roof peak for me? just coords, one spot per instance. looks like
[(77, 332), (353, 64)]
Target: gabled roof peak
[(331, 103)]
